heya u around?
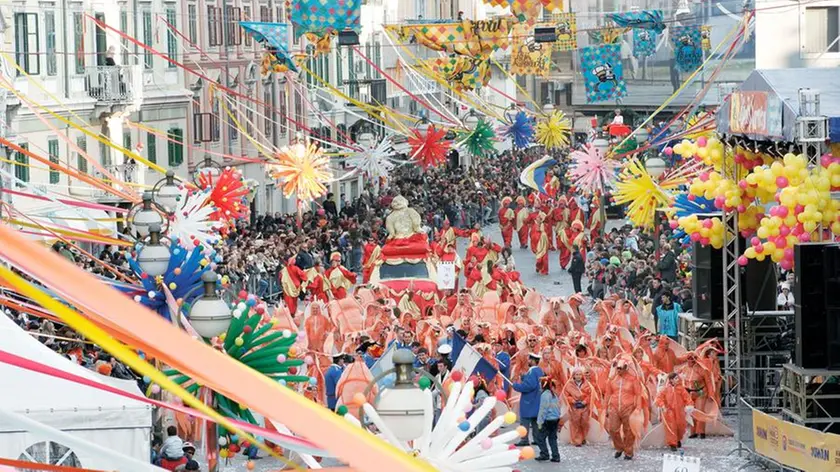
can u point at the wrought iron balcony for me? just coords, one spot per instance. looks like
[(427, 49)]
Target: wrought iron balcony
[(114, 84)]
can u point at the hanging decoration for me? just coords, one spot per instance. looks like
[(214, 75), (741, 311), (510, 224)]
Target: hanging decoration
[(552, 5), (498, 3), (429, 149), (651, 20), (700, 124), (468, 37), (641, 192), (607, 34), (519, 128), (228, 194), (644, 43), (461, 72), (194, 220), (529, 57), (301, 169), (479, 141), (533, 176), (686, 204), (591, 171), (553, 131), (602, 73), (323, 44), (526, 11), (706, 37), (374, 161), (566, 28), (322, 17), (688, 51), (274, 37)]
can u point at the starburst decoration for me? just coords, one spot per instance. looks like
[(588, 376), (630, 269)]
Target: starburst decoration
[(591, 171), (519, 129), (228, 194), (641, 192), (194, 221), (553, 132), (479, 141), (302, 170), (429, 149), (374, 161)]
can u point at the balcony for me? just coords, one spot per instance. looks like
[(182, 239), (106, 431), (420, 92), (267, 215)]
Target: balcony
[(114, 85), (127, 173)]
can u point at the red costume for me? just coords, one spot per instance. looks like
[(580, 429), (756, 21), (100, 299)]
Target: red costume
[(341, 279), (319, 286), (548, 225), (595, 222), (536, 219), (370, 257), (623, 394), (507, 221), (292, 279), (541, 246), (523, 228)]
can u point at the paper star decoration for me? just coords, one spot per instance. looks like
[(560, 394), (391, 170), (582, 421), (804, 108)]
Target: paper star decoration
[(302, 170), (374, 161)]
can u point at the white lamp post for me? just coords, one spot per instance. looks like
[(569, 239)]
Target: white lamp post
[(423, 125), (471, 120), (366, 140), (153, 258), (548, 106), (167, 194), (602, 145), (144, 216), (655, 166), (642, 136), (401, 407), (209, 314)]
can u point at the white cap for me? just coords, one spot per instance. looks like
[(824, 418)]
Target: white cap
[(445, 349)]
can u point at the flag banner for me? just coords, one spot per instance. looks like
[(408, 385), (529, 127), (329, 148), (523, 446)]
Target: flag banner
[(467, 37), (687, 45), (384, 364), (324, 16), (275, 34), (529, 57), (645, 19), (644, 43), (498, 3), (533, 176), (602, 72), (461, 72), (566, 27), (706, 38), (469, 361)]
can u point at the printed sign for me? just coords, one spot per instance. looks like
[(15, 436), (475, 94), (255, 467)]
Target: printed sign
[(446, 276), (748, 112), (673, 463), (795, 446)]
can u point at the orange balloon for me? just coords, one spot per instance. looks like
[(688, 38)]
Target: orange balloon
[(292, 351), (527, 453), (250, 464), (522, 431)]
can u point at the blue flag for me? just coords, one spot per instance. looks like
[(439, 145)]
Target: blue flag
[(470, 361)]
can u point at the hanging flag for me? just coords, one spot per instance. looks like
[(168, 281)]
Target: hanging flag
[(467, 37), (324, 16), (533, 177), (469, 361), (461, 72), (645, 19), (644, 42), (687, 45), (529, 57), (526, 11), (602, 72), (552, 5), (566, 27), (498, 3), (706, 37), (275, 38)]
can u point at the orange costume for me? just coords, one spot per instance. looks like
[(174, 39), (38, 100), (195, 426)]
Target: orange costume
[(579, 398), (698, 383), (673, 399), (541, 246), (623, 394), (523, 228), (370, 258), (595, 222), (292, 280), (507, 221), (341, 279)]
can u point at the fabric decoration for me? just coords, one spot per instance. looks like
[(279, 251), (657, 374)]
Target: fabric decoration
[(498, 3), (652, 20), (533, 176), (302, 170), (467, 37), (687, 44), (519, 129), (552, 5), (553, 132), (591, 171), (275, 38), (323, 16), (429, 149), (527, 56), (461, 72), (644, 42), (479, 141), (526, 11), (566, 27), (374, 161), (194, 221), (602, 73)]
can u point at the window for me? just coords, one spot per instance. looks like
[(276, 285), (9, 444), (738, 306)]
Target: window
[(127, 140), (175, 148), (81, 161), (171, 39), (265, 14), (298, 109), (105, 153), (49, 34), (197, 120), (148, 39), (339, 69), (233, 32), (52, 147), (249, 116), (284, 113), (26, 42), (325, 67), (79, 41), (214, 25), (821, 29), (420, 8), (217, 122), (368, 54), (377, 56), (124, 28), (267, 109), (233, 131), (22, 165), (151, 146), (281, 14), (192, 24), (246, 12), (51, 453)]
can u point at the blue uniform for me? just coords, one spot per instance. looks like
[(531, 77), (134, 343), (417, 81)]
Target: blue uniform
[(503, 359), (529, 387), (369, 360), (331, 381), (398, 344)]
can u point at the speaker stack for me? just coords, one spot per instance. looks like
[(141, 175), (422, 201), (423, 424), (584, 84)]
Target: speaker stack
[(817, 305)]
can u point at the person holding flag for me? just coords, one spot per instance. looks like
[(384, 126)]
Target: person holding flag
[(529, 403)]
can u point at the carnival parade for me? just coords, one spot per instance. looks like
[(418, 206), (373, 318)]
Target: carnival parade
[(446, 235)]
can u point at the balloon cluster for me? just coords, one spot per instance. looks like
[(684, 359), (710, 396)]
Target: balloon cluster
[(705, 231), (747, 159), (708, 150)]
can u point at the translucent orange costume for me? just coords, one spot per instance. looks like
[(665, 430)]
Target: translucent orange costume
[(624, 396), (673, 399), (579, 400)]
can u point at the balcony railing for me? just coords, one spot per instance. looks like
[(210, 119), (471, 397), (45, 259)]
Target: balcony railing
[(114, 84), (127, 173)]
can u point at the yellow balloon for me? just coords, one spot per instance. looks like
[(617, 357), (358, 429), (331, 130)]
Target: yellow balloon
[(750, 252), (809, 226), (763, 232)]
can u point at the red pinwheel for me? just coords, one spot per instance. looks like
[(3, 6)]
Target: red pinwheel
[(228, 193), (429, 149)]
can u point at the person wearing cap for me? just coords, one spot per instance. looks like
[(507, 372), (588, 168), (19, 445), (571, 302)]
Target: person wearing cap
[(529, 403), (578, 395), (362, 350), (623, 395), (503, 358), (523, 226), (331, 378), (341, 279), (548, 418), (189, 453), (785, 299)]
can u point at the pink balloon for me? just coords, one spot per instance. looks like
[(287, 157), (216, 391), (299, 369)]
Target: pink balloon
[(695, 237), (825, 160), (742, 261), (798, 229), (743, 184), (701, 141), (668, 151), (704, 176), (784, 230), (674, 224), (773, 211), (755, 241), (781, 242), (705, 241), (707, 223), (798, 209), (782, 211), (759, 249), (781, 181), (691, 197), (720, 202), (789, 253), (786, 264), (804, 237), (741, 208)]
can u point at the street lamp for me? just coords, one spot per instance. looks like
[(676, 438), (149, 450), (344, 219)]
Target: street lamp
[(153, 258), (209, 169), (167, 193), (471, 120), (642, 136), (210, 315), (655, 166), (602, 145), (401, 407), (141, 217), (422, 125), (548, 106)]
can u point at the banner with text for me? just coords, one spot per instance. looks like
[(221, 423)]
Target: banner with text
[(795, 446), (757, 113)]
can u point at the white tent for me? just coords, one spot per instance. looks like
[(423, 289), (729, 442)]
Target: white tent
[(108, 420)]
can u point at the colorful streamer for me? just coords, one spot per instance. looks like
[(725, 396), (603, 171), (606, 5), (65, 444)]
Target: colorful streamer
[(533, 176)]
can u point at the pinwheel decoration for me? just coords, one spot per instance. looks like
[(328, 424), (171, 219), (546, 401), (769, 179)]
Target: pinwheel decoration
[(228, 194), (194, 221), (479, 141), (519, 128), (553, 131), (303, 170), (374, 161), (455, 443), (591, 171), (643, 194), (182, 278), (429, 149)]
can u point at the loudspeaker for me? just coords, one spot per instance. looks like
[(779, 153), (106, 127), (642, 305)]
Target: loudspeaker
[(348, 38), (546, 34), (759, 285), (810, 310), (707, 282)]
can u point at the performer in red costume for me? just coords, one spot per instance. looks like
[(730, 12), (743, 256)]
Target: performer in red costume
[(341, 279), (317, 282), (293, 280), (507, 221), (558, 217), (446, 253), (541, 246), (595, 222), (523, 229), (548, 224), (536, 219), (370, 257)]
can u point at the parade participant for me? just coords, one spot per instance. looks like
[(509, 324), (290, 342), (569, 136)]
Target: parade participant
[(608, 350), (673, 400), (698, 384), (577, 268), (548, 224), (523, 228), (341, 279), (503, 359), (578, 395), (623, 396), (529, 403), (541, 246), (447, 254), (664, 357), (362, 350), (317, 283), (595, 223), (334, 372), (370, 257), (293, 281), (507, 221), (536, 220), (548, 419)]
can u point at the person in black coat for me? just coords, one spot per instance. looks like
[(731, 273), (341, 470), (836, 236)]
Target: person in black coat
[(667, 265), (329, 206), (577, 268)]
